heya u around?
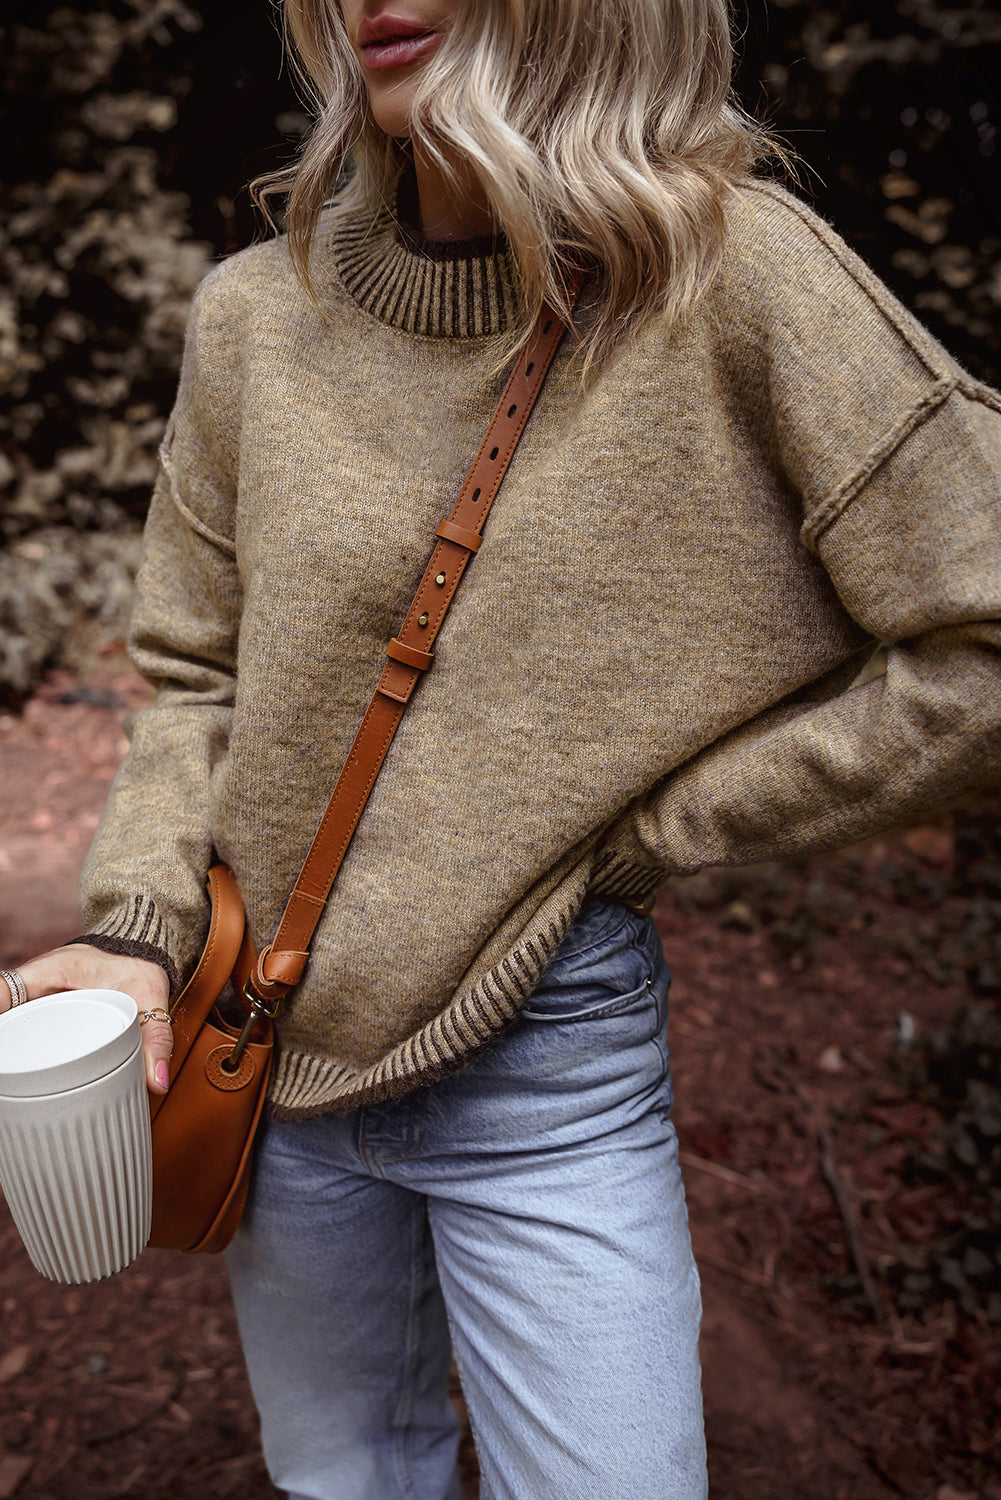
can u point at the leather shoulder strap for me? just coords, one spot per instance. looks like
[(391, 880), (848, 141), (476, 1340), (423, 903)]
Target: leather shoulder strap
[(409, 654)]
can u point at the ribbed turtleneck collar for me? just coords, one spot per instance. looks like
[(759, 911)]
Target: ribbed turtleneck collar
[(441, 289)]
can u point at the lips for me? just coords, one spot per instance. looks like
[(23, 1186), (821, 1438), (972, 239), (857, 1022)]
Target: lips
[(387, 41)]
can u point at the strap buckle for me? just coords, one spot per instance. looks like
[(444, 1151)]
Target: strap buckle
[(258, 1008)]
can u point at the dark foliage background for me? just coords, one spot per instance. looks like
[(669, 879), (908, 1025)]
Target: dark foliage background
[(893, 104), (129, 127)]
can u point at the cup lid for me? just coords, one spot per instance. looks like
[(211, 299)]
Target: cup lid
[(64, 1041)]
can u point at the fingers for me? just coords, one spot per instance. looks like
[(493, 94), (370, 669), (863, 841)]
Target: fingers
[(158, 1044), (79, 966), (38, 976), (16, 990)]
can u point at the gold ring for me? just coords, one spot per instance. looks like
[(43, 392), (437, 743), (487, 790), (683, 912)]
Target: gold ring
[(155, 1015), (16, 985)]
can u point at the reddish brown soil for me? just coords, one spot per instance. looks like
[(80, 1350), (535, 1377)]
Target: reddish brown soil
[(135, 1387)]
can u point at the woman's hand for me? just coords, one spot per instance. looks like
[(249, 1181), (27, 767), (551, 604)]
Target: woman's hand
[(78, 966)]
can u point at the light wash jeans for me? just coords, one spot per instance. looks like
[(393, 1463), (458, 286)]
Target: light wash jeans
[(529, 1212)]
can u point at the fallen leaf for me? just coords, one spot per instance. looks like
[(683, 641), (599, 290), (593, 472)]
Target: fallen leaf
[(14, 1362), (12, 1470)]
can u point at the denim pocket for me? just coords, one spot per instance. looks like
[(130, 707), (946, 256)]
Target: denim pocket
[(560, 1006), (602, 967)]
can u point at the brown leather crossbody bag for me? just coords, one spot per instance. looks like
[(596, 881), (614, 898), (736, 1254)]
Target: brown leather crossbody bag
[(204, 1127)]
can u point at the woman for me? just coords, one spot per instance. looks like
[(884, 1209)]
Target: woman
[(748, 466)]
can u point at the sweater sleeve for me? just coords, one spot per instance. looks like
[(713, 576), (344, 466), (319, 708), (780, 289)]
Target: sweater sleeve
[(143, 884), (915, 554)]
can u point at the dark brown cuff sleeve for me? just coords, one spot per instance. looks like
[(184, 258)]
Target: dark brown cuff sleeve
[(129, 949)]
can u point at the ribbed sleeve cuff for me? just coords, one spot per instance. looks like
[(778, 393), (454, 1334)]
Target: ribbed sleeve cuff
[(137, 930), (615, 876)]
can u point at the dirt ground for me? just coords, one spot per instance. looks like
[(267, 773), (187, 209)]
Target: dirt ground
[(793, 1133)]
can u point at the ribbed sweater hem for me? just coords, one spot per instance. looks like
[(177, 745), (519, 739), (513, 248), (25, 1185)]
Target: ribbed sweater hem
[(303, 1085)]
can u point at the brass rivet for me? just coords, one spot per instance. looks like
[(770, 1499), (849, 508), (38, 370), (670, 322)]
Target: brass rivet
[(423, 620), (440, 580)]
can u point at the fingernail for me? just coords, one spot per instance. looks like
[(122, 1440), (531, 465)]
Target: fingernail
[(162, 1074)]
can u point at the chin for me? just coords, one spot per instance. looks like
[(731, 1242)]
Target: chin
[(395, 128), (391, 114)]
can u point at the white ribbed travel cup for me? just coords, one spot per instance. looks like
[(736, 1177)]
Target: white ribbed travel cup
[(75, 1157)]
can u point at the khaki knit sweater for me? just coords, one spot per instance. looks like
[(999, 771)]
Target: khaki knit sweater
[(645, 671)]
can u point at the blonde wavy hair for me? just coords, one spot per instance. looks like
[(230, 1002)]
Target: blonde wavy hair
[(601, 132)]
